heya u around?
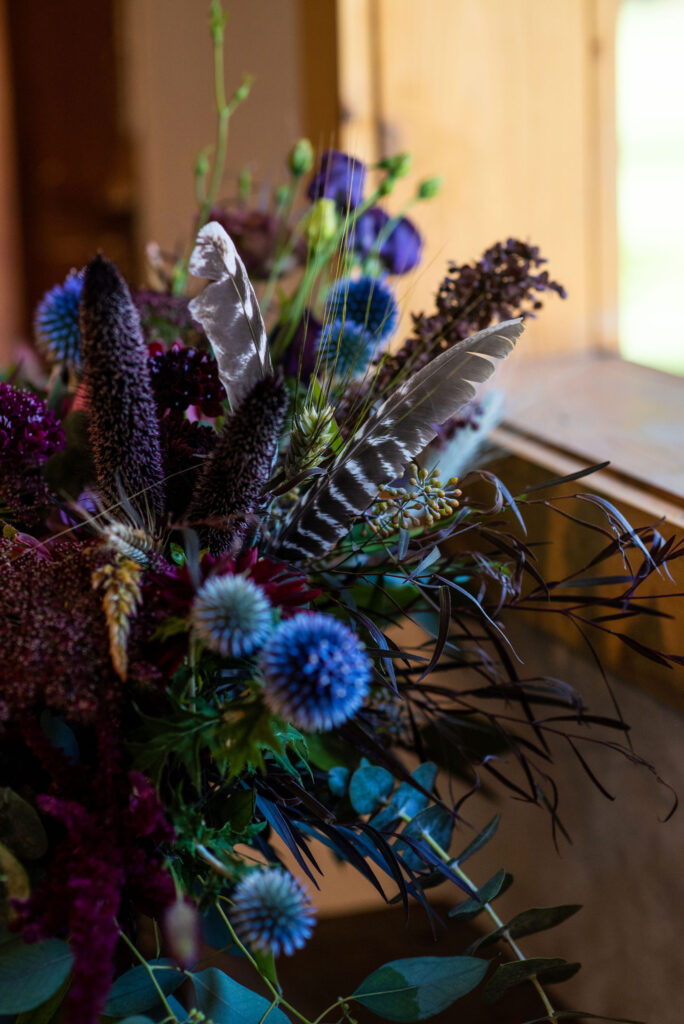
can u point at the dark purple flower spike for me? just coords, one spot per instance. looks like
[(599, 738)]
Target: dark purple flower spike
[(122, 420)]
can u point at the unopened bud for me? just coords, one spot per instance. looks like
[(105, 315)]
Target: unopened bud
[(322, 221), (397, 166), (181, 930), (301, 158), (429, 188)]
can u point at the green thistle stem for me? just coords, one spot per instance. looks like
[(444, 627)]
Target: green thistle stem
[(160, 992), (454, 866)]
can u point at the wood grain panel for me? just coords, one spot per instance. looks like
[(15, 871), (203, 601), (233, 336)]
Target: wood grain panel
[(504, 99)]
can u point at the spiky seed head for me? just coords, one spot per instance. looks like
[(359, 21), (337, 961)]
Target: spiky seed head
[(272, 911), (232, 616)]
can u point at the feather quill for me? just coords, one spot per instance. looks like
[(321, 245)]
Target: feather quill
[(229, 312), (392, 435)]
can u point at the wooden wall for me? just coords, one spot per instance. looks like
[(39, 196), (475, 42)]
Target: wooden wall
[(513, 103), (10, 276)]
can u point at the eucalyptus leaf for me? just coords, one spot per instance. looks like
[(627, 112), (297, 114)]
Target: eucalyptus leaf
[(490, 890), (370, 785), (20, 826), (480, 839), (338, 776), (46, 1012), (509, 975), (31, 972), (134, 992), (14, 882), (136, 1019), (407, 799), (583, 1015), (225, 1001), (419, 987), (434, 821), (537, 919)]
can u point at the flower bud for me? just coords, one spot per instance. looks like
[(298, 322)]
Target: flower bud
[(430, 187), (181, 931), (301, 158), (397, 166), (322, 221)]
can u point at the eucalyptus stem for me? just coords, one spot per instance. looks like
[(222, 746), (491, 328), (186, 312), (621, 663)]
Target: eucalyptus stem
[(160, 991), (454, 866)]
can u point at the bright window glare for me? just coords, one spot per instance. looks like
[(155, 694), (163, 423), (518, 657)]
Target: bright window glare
[(650, 114)]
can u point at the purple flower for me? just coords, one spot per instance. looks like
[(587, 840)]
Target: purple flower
[(183, 377), (340, 177), (300, 359), (400, 251), (29, 431)]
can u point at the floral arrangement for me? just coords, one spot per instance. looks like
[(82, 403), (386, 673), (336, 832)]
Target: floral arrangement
[(218, 514)]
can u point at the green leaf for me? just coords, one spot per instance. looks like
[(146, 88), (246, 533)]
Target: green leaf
[(225, 1001), (45, 1013), (437, 823), (419, 987), (134, 991), (31, 972), (136, 1019), (370, 785), (507, 976), (490, 890), (480, 839), (537, 919)]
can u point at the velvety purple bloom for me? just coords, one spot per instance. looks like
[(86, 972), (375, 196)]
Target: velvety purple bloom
[(399, 252), (340, 177), (183, 377), (29, 431)]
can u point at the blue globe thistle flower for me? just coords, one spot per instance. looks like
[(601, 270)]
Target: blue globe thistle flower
[(367, 303), (56, 322), (232, 616), (345, 347), (315, 672), (272, 911), (340, 177)]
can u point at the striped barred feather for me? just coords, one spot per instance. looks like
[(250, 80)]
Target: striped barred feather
[(229, 312), (389, 439)]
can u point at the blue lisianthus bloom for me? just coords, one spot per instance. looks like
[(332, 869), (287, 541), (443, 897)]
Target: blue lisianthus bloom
[(340, 177), (399, 252), (315, 672), (368, 303), (232, 616), (272, 911), (56, 322)]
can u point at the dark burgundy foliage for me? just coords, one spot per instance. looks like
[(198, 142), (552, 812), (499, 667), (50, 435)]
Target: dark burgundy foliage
[(504, 283), (122, 421), (29, 434), (185, 447)]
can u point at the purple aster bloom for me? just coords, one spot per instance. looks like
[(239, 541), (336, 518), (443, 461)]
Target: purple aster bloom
[(399, 252), (56, 322), (316, 673), (272, 911), (340, 177)]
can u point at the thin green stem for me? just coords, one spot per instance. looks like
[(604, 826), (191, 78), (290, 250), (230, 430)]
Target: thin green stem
[(160, 992), (454, 866)]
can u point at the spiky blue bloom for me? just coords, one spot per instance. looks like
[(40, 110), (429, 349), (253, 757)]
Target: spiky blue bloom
[(367, 303), (56, 322), (345, 348), (315, 672), (232, 616), (272, 911)]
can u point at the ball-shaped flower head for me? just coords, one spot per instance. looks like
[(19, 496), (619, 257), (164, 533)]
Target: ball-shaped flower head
[(315, 672), (346, 349), (232, 616), (367, 303), (340, 177), (272, 911), (56, 322)]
